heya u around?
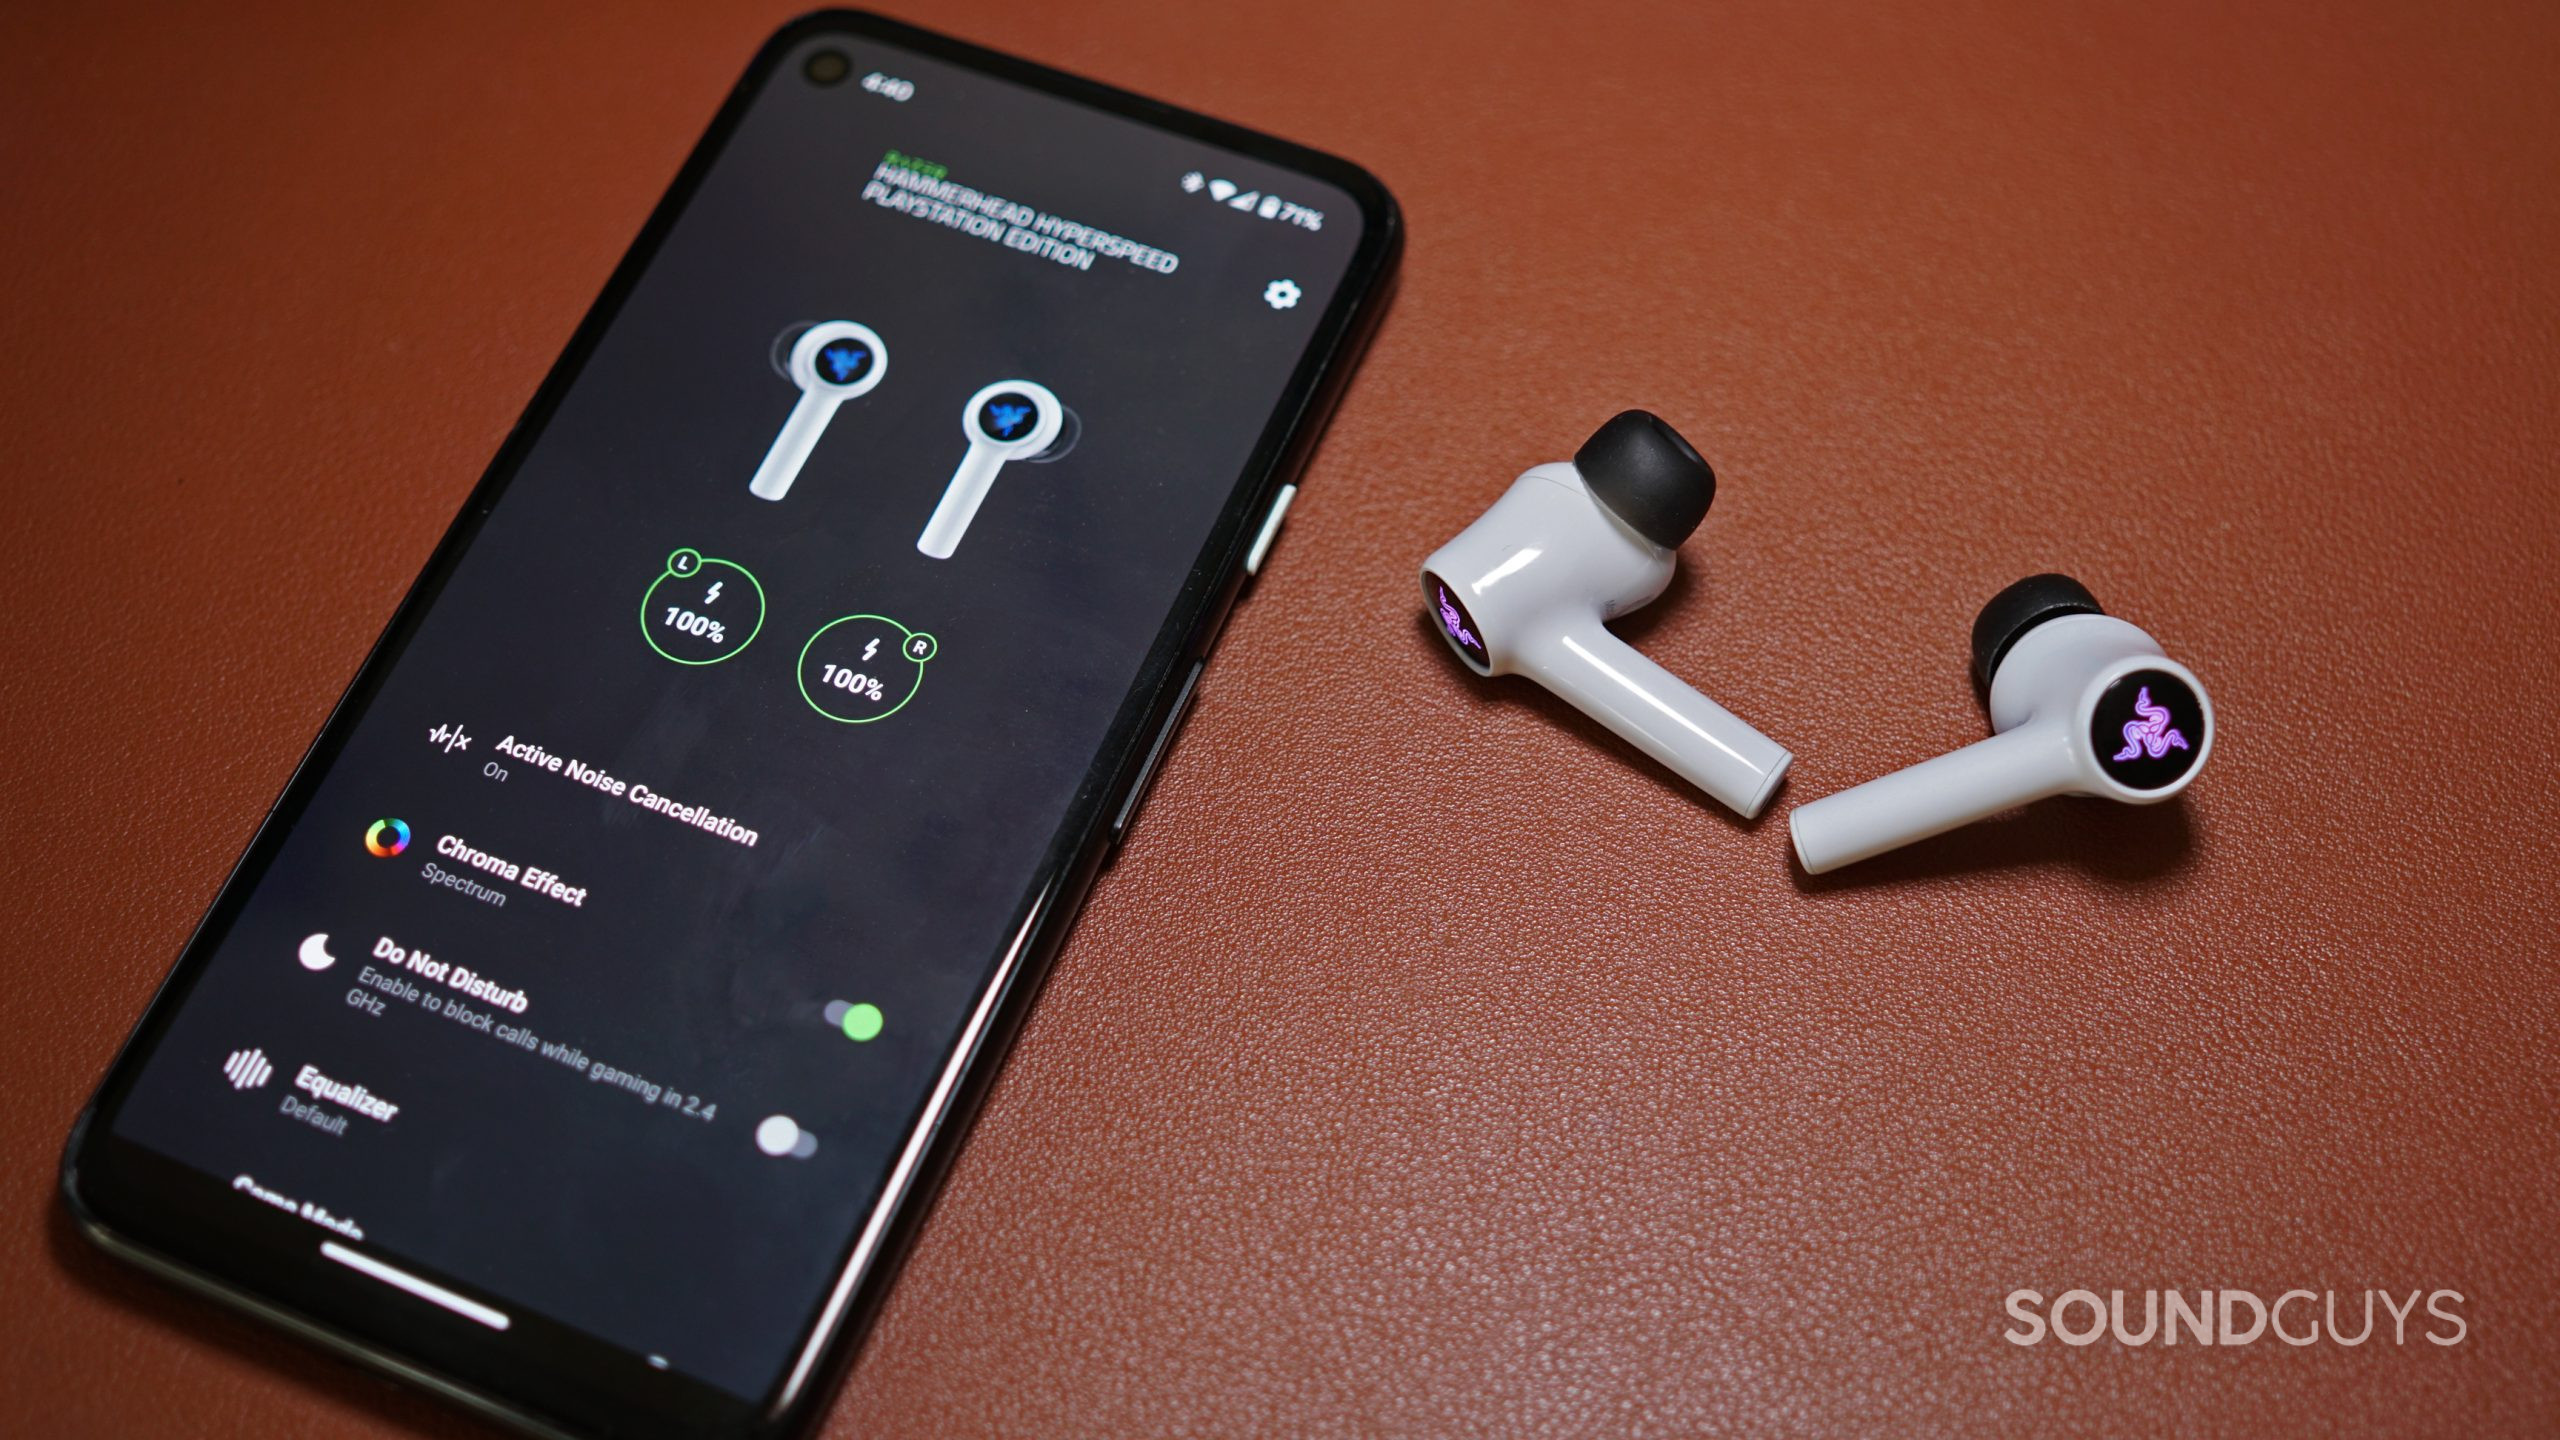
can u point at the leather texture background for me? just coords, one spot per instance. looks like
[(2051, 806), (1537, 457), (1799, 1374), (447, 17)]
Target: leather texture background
[(1429, 1063)]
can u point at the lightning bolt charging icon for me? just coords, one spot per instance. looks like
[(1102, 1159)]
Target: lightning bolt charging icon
[(715, 591), (870, 650)]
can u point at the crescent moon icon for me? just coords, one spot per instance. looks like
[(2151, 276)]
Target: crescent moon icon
[(315, 952)]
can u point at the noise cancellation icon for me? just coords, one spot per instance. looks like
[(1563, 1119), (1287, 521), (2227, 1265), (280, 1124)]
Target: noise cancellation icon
[(248, 1069)]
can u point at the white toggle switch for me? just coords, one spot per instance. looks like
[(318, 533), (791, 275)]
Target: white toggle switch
[(780, 1136)]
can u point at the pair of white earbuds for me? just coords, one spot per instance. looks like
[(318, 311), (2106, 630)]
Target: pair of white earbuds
[(2082, 703), (1008, 420)]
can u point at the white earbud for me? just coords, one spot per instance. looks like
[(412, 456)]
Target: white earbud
[(2081, 704), (1009, 420), (831, 363), (1525, 589)]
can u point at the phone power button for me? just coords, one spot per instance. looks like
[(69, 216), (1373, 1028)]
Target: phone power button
[(1155, 752)]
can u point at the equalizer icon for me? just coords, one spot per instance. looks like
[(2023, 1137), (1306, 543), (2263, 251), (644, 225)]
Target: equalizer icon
[(248, 1069)]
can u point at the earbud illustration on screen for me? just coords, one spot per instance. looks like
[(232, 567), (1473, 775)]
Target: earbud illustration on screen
[(1009, 420), (831, 363), (2082, 703), (1525, 589)]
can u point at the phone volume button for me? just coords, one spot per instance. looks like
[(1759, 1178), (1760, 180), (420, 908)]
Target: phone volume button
[(1155, 752), (1270, 530)]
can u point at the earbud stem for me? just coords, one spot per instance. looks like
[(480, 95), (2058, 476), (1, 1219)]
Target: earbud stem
[(793, 445), (2008, 770), (1658, 713), (960, 501)]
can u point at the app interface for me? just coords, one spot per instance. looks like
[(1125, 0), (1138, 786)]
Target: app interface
[(614, 957)]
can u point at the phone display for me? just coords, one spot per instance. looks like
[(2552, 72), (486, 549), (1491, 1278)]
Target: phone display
[(583, 1021)]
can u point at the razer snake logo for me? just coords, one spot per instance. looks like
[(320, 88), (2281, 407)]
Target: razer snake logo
[(1457, 627), (845, 361), (1008, 418), (2149, 735)]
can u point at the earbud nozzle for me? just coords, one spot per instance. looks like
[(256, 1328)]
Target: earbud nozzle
[(2021, 608), (1648, 476)]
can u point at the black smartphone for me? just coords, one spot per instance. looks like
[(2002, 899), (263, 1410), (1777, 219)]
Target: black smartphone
[(587, 1026)]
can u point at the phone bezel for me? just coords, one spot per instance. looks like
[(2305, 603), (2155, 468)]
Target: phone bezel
[(148, 1209)]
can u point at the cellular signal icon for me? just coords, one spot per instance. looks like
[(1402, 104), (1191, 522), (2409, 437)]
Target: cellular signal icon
[(248, 1069)]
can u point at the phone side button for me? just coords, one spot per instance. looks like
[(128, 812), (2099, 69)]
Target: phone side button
[(1155, 753), (1254, 557)]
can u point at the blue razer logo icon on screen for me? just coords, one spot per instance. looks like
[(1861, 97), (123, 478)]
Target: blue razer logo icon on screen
[(1008, 418), (843, 362)]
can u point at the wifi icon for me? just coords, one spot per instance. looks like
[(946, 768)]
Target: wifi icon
[(1221, 189)]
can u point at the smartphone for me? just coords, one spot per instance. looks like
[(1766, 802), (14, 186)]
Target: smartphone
[(588, 1024)]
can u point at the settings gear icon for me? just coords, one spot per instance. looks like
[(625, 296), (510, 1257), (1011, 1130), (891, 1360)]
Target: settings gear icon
[(1281, 294)]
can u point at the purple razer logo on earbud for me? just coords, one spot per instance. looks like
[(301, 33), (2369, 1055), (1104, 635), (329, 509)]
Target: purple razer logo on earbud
[(1458, 630), (2151, 734)]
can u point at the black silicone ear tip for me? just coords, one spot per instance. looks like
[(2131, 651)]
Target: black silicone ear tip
[(1648, 476), (1070, 429), (2021, 608)]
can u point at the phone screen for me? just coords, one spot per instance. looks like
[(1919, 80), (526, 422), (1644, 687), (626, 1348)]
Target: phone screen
[(613, 944)]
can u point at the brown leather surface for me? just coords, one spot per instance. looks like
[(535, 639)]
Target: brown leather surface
[(1429, 1063)]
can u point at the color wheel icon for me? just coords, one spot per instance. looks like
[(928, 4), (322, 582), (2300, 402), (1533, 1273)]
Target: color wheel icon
[(387, 838)]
